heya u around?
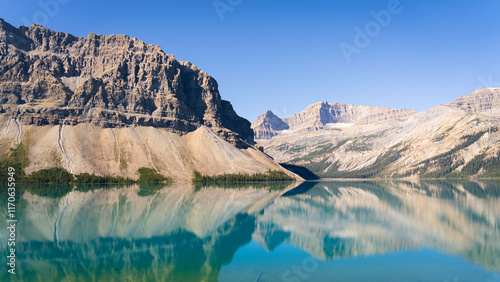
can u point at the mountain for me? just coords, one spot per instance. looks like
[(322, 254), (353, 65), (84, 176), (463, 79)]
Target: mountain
[(338, 140), (320, 115), (108, 104), (267, 125)]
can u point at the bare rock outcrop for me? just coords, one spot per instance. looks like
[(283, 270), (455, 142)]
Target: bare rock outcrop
[(345, 141), (478, 101), (323, 113), (317, 116), (53, 78), (267, 125)]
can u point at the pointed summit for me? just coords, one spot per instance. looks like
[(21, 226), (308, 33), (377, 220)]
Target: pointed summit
[(267, 124)]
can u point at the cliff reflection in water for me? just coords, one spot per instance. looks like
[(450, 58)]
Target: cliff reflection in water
[(181, 232)]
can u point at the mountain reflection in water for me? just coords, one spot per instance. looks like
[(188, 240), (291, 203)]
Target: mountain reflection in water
[(186, 233)]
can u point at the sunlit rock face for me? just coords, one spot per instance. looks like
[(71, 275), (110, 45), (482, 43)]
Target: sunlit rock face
[(110, 104), (324, 115), (485, 101), (346, 141), (108, 80)]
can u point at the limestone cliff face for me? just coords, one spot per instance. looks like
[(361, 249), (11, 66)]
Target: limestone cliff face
[(479, 101), (267, 125), (53, 78), (319, 115), (323, 113), (110, 104), (338, 140)]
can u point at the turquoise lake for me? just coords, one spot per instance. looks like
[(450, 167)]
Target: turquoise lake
[(311, 231)]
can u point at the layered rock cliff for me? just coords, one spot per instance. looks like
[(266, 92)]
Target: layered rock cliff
[(320, 115), (53, 78), (483, 100), (267, 125), (336, 140), (110, 104)]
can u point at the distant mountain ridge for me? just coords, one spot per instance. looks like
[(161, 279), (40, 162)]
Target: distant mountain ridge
[(319, 115), (460, 139)]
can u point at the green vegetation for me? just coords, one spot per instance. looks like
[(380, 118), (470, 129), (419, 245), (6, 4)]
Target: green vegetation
[(447, 163), (444, 134), (148, 175), (320, 167), (46, 190), (86, 187), (340, 144), (60, 175), (51, 175), (148, 189), (469, 140), (38, 182), (321, 151), (18, 159), (474, 165), (271, 175), (92, 178), (282, 147), (490, 167), (359, 146), (375, 170), (296, 149), (268, 185), (326, 168)]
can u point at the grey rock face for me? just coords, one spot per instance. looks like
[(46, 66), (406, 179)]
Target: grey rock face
[(49, 77)]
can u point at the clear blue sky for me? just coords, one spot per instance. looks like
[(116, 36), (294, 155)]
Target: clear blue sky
[(285, 55)]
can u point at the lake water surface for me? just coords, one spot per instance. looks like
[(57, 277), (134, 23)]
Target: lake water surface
[(312, 231)]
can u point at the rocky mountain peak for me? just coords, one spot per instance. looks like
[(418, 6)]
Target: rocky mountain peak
[(267, 125), (318, 115), (322, 113), (49, 77), (269, 114)]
